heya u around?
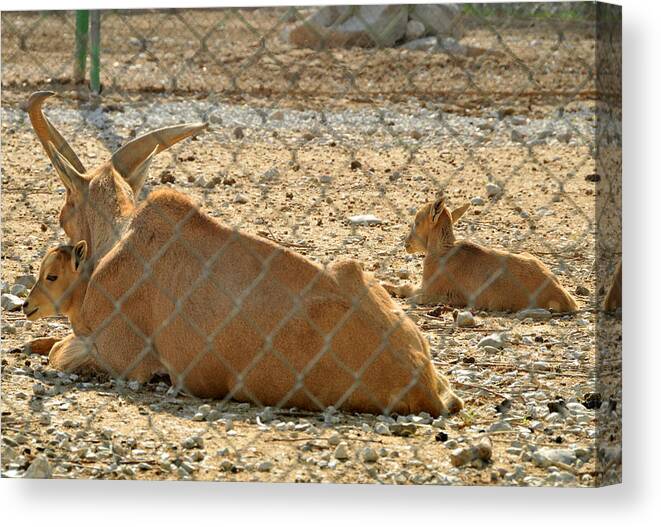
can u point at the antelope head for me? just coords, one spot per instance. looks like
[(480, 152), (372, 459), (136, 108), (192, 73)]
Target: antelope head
[(98, 201), (432, 227)]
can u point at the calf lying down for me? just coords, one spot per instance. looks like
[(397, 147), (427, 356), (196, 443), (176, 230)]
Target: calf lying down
[(461, 273)]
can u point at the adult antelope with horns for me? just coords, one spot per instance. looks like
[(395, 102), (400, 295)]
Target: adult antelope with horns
[(224, 313)]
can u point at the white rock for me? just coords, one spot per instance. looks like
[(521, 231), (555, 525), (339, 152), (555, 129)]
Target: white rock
[(382, 429), (421, 44), (39, 469), (414, 29), (439, 19), (365, 219), (477, 201), (265, 466), (347, 26), (11, 302), (439, 422), (495, 340), (465, 319), (19, 290), (341, 451), (266, 415), (534, 313), (576, 408), (493, 189), (271, 173), (193, 442), (547, 456), (565, 477), (370, 455), (540, 365), (500, 426), (241, 199)]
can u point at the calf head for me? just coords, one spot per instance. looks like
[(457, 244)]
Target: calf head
[(60, 275), (96, 199), (432, 226)]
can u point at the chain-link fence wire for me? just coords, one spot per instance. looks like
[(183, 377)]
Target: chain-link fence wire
[(438, 112)]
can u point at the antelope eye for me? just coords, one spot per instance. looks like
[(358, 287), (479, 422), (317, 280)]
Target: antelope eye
[(51, 278)]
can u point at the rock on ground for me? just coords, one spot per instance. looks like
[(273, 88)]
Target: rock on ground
[(439, 20), (495, 340), (11, 302), (347, 26), (415, 29), (39, 469), (365, 219)]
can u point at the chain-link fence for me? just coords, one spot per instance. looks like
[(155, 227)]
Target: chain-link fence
[(378, 245)]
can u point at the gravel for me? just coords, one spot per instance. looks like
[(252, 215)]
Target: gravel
[(257, 124)]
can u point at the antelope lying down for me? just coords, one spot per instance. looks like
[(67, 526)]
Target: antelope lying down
[(224, 313), (462, 273)]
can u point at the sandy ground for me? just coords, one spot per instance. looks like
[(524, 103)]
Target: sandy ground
[(290, 153)]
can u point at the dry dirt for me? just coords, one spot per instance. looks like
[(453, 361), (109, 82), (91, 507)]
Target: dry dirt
[(96, 428)]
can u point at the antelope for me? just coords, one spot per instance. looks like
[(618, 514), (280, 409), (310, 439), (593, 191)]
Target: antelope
[(224, 313), (461, 273), (61, 285), (59, 290), (613, 298)]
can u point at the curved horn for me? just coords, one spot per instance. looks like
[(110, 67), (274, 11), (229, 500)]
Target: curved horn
[(129, 157), (46, 132)]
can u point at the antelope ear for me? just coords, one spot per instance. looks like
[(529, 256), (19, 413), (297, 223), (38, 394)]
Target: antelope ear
[(72, 179), (129, 159), (136, 179), (458, 213), (79, 255), (437, 209)]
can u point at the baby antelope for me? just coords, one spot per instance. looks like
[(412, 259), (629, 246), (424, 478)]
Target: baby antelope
[(461, 273), (61, 286)]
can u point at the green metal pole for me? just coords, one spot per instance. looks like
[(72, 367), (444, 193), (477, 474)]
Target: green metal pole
[(82, 24), (95, 51)]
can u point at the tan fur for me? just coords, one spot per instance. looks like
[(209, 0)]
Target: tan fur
[(461, 273), (230, 315), (64, 295), (613, 299), (41, 345), (61, 285)]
